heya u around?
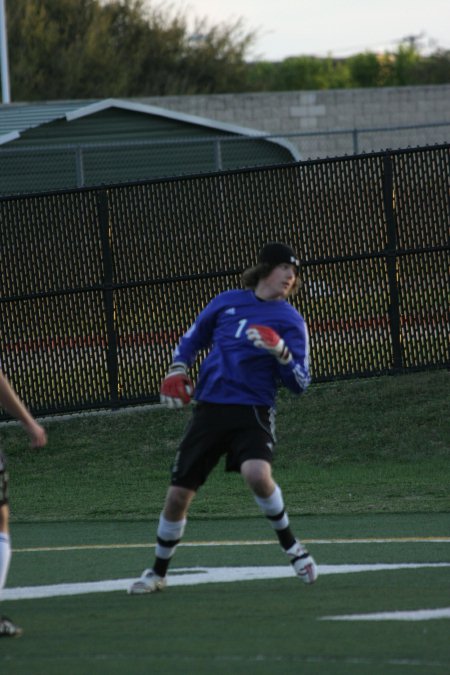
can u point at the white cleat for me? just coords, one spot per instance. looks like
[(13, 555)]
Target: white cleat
[(148, 582), (303, 563)]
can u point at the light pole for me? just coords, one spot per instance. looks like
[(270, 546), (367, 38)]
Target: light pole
[(6, 95)]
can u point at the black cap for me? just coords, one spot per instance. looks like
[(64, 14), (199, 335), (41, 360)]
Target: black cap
[(275, 253)]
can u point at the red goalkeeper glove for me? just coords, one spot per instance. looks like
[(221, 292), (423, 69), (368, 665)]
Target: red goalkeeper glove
[(264, 337), (176, 388)]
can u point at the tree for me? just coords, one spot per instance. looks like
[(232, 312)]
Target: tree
[(298, 73), (88, 48), (406, 66), (435, 69), (71, 49), (402, 69), (365, 70)]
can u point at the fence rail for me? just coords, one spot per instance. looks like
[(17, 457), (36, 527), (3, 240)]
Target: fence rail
[(98, 284)]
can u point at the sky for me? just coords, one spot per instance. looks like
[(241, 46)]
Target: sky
[(323, 27)]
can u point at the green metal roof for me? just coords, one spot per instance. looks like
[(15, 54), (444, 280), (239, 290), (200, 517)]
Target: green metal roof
[(74, 144), (17, 118)]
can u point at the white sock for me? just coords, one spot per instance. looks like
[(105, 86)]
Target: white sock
[(273, 509), (168, 537), (5, 558)]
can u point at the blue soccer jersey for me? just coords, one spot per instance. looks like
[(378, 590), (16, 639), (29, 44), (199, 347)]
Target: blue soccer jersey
[(235, 371)]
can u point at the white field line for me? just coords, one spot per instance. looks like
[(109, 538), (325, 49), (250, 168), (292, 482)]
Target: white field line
[(192, 576), (386, 540), (414, 615)]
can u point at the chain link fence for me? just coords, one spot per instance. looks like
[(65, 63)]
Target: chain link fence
[(98, 284), (36, 168)]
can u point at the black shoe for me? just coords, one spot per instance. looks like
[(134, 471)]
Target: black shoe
[(8, 628)]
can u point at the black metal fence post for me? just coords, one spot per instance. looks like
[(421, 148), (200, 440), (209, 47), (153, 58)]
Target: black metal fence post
[(108, 296), (79, 165), (355, 141), (391, 263)]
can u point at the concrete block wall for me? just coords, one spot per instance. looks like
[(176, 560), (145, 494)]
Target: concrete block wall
[(307, 117)]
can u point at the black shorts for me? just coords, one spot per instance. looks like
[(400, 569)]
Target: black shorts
[(240, 432), (3, 480)]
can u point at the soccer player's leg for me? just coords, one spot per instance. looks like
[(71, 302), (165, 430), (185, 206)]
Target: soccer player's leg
[(255, 448), (301, 560), (195, 459), (7, 627), (169, 534)]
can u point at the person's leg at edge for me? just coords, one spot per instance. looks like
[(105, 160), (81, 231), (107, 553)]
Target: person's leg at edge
[(5, 545), (258, 475), (171, 526), (7, 628)]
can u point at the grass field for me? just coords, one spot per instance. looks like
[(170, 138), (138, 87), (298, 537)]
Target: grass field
[(273, 625), (365, 470)]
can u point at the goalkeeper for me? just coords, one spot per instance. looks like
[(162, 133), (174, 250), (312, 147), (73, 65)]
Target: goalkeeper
[(256, 339)]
